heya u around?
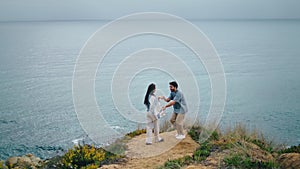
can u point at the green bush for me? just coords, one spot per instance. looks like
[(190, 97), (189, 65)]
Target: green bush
[(172, 164), (293, 149), (2, 165), (81, 156), (195, 132), (263, 145), (238, 161), (202, 152), (136, 132), (214, 136), (178, 163), (235, 160), (117, 147), (199, 155), (84, 157), (91, 166)]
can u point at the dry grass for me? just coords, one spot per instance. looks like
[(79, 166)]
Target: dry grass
[(165, 126)]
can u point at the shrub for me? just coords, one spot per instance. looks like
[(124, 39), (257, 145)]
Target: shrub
[(81, 156), (215, 136), (202, 152), (136, 132), (293, 149), (117, 147), (263, 145), (195, 132), (87, 156), (91, 166), (239, 161), (2, 165), (178, 163), (172, 164)]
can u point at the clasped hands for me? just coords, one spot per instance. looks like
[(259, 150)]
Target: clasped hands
[(164, 98)]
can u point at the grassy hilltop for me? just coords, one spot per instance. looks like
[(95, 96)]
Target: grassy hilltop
[(235, 148)]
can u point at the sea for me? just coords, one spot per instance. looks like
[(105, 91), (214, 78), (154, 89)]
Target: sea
[(260, 59)]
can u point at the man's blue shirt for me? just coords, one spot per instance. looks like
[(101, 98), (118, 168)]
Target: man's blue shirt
[(180, 106)]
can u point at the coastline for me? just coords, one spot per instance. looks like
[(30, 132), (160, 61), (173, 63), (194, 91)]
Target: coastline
[(235, 148)]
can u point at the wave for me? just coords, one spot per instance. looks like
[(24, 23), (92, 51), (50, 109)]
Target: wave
[(42, 151), (8, 121)]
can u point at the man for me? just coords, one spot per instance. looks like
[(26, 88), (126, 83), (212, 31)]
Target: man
[(177, 100)]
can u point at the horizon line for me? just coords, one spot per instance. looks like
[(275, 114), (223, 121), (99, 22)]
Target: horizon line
[(108, 20)]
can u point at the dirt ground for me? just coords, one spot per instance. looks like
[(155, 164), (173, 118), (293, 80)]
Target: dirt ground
[(140, 155)]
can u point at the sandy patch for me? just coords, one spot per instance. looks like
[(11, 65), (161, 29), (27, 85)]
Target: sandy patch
[(140, 155)]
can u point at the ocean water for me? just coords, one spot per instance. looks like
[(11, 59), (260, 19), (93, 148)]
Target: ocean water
[(260, 58)]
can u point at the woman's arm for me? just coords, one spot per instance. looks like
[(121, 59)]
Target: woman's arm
[(153, 109), (164, 98), (153, 105)]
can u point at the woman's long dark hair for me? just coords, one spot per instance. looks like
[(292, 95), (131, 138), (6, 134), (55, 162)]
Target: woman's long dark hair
[(150, 89)]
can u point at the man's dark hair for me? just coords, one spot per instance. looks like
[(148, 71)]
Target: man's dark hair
[(174, 84)]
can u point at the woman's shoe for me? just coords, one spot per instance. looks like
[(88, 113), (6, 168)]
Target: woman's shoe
[(148, 143)]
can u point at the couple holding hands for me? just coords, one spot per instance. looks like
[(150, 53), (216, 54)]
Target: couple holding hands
[(155, 111)]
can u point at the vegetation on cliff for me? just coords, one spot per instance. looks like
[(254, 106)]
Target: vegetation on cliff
[(235, 148)]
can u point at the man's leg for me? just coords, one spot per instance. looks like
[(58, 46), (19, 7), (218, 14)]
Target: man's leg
[(179, 123), (173, 118)]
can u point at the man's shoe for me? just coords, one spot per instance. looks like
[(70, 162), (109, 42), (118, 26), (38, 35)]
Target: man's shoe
[(148, 143), (160, 140), (180, 137)]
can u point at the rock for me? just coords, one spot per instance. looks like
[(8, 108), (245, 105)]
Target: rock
[(24, 159), (289, 160), (199, 166), (30, 155), (12, 161), (36, 161), (111, 166)]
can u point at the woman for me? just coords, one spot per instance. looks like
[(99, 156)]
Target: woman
[(153, 109)]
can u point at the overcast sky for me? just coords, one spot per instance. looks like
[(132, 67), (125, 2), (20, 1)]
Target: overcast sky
[(112, 9)]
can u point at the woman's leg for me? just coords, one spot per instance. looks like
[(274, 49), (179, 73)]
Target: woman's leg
[(149, 128), (156, 131)]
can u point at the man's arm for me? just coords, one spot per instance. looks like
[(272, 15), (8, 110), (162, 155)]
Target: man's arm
[(171, 103)]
